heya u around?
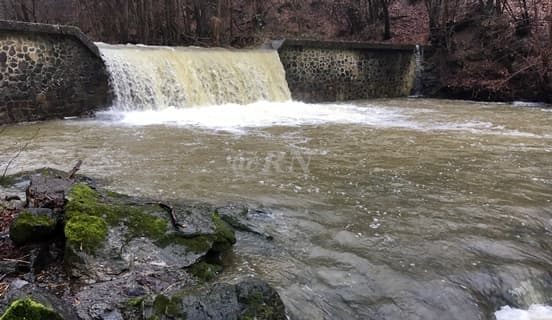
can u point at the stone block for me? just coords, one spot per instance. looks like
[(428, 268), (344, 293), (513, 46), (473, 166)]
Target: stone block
[(57, 61)]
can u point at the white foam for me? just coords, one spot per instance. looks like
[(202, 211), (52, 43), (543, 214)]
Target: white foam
[(262, 114), (528, 104), (234, 117), (535, 312), (479, 127)]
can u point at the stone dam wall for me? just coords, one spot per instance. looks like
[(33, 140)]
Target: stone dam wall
[(336, 71), (48, 72)]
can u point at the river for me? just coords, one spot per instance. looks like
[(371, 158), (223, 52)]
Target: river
[(382, 209)]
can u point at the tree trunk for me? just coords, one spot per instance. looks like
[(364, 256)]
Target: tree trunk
[(550, 24), (124, 21), (386, 20), (148, 17)]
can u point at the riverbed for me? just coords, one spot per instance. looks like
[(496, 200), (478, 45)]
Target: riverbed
[(381, 209)]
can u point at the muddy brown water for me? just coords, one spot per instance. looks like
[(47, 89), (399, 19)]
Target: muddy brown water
[(385, 209)]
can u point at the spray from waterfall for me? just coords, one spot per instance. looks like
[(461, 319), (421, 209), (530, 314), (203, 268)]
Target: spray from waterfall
[(154, 78)]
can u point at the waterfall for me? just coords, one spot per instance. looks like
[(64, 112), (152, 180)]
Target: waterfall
[(153, 78), (418, 85)]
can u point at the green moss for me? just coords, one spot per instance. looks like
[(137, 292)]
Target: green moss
[(85, 231), (160, 304), (204, 271), (141, 224), (258, 309), (83, 194), (28, 227), (29, 310), (140, 221), (136, 302), (30, 219), (225, 236), (83, 200), (197, 244), (114, 194), (165, 306), (7, 181), (222, 240)]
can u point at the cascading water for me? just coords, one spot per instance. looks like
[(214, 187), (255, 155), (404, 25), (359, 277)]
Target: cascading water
[(153, 78)]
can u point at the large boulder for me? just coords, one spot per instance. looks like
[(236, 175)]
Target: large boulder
[(108, 234)]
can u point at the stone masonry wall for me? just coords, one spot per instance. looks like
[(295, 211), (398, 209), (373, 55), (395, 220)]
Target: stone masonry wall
[(48, 72), (325, 71)]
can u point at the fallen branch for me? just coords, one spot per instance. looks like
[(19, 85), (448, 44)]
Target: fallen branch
[(173, 285), (4, 287), (73, 171), (518, 72), (172, 215), (16, 260)]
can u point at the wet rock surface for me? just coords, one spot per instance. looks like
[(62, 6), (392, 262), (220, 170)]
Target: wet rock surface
[(249, 299), (47, 192), (96, 254), (55, 308)]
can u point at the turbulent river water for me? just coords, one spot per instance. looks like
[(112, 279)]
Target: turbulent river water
[(384, 209)]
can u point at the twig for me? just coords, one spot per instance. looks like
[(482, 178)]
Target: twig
[(74, 170), (16, 260), (19, 152), (3, 276), (4, 287), (172, 286), (518, 72), (170, 211)]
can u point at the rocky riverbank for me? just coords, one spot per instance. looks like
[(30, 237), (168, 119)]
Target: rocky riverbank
[(76, 250)]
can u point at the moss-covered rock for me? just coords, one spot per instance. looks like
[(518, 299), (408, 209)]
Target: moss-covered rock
[(222, 239), (259, 301), (28, 309), (204, 271), (7, 181), (33, 225), (249, 299), (116, 232), (85, 231), (163, 305), (199, 243), (225, 236), (139, 219), (89, 215), (259, 307)]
